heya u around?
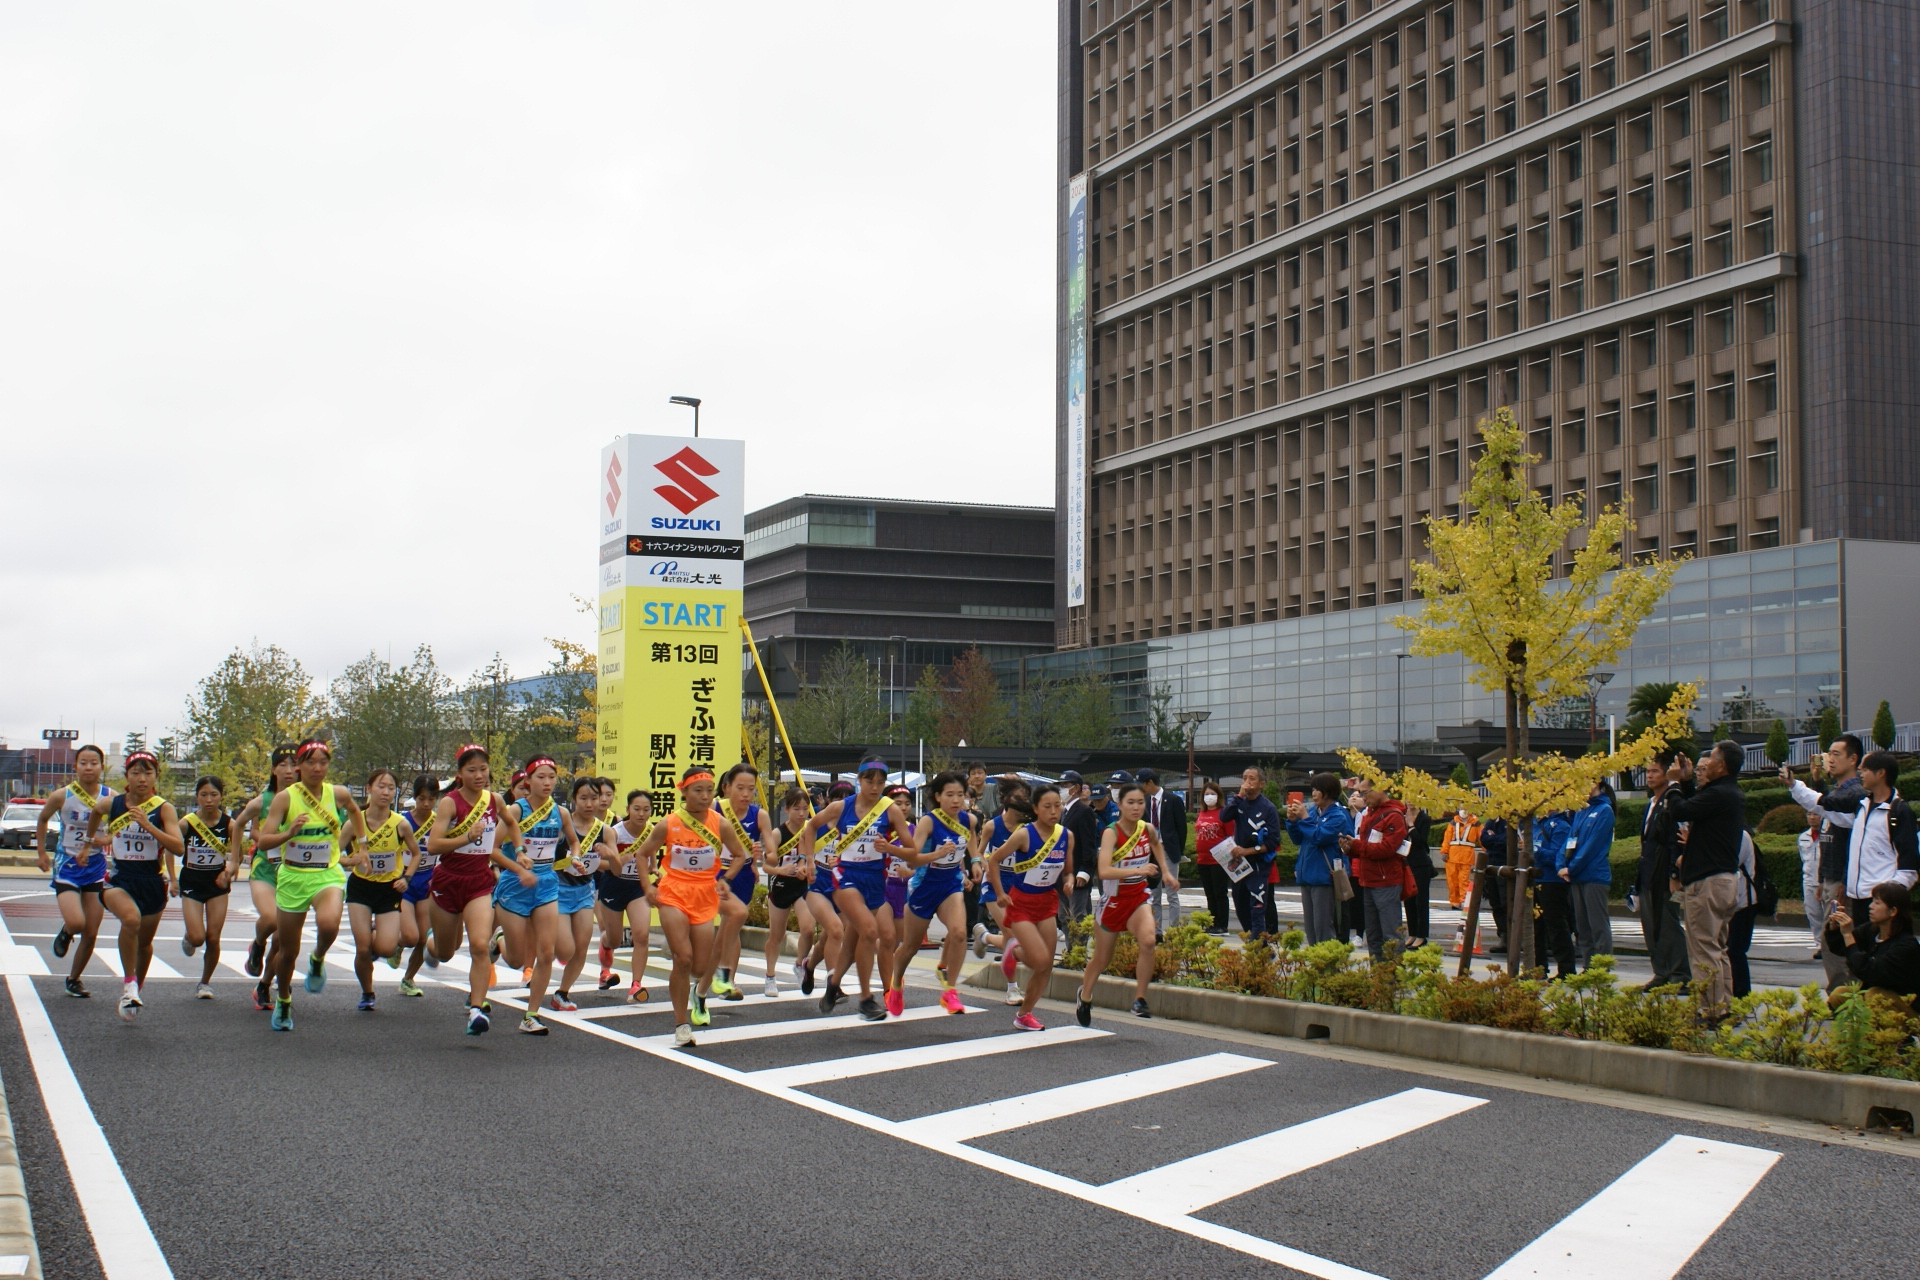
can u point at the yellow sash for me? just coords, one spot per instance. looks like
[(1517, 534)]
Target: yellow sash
[(459, 830), (1126, 846), (960, 829), (700, 829), (207, 837), (325, 813), (386, 837), (533, 820), (152, 806), (588, 840), (849, 837), (747, 839), (1053, 841), (792, 842)]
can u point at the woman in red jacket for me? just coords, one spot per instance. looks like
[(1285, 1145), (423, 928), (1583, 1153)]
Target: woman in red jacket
[(1379, 854)]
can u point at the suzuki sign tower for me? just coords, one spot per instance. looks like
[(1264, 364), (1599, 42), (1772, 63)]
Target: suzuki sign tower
[(672, 519)]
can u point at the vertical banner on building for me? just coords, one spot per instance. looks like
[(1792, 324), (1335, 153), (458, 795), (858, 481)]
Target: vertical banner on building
[(1077, 391), (672, 520)]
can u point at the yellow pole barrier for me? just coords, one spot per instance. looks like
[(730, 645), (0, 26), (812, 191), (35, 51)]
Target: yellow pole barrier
[(766, 687)]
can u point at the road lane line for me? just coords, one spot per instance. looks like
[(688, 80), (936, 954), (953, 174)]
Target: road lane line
[(800, 1026), (869, 1064), (15, 958), (120, 1233), (1187, 1186), (1651, 1219), (966, 1123)]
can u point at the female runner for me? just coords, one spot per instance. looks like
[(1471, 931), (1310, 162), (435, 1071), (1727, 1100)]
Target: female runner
[(264, 873), (416, 912), (209, 862), (860, 849), (1027, 875), (1131, 853), (693, 837), (948, 837), (788, 877), (576, 873), (469, 822), (1016, 807), (830, 936), (754, 826), (528, 894), (139, 825), (622, 885), (77, 879), (308, 822), (381, 865)]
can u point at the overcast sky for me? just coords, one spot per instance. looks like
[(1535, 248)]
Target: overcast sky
[(313, 319)]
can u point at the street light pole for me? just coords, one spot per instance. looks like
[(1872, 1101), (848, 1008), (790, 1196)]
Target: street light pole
[(1192, 720), (1399, 714), (692, 402), (894, 663)]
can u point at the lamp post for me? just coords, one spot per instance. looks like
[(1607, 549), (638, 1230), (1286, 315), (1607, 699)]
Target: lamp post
[(1192, 720), (897, 660), (1595, 681), (693, 403), (1399, 713)]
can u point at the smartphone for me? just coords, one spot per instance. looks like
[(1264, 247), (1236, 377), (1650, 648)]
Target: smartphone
[(1295, 797)]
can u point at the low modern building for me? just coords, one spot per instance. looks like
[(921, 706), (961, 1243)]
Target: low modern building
[(907, 583)]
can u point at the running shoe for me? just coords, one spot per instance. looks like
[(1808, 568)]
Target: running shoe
[(606, 958), (699, 1015), (562, 1002), (254, 955), (408, 989), (637, 994), (1013, 993), (432, 960), (1083, 1011), (78, 989), (493, 948), (203, 991), (316, 978), (683, 1036), (950, 1001), (871, 1011), (283, 1014), (187, 948), (1140, 1009), (771, 988), (262, 1001), (806, 981), (608, 979), (366, 1002), (980, 941), (532, 1026), (723, 987), (129, 1000), (830, 997), (526, 976), (477, 1023), (393, 961), (1027, 1022), (799, 966), (1010, 962), (896, 1003), (62, 940)]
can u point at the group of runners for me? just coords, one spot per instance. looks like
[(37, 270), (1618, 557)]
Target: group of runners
[(523, 876)]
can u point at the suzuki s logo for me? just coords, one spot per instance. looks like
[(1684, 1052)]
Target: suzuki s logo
[(613, 486), (688, 491)]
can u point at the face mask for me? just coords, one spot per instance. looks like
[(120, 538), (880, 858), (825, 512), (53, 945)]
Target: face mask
[(1210, 801)]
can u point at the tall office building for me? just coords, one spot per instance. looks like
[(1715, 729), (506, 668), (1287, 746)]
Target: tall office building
[(1305, 247)]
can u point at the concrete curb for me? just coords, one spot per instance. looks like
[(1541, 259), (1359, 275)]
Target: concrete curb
[(1826, 1097), (19, 1255)]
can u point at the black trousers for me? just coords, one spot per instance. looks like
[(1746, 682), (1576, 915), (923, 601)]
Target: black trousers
[(1495, 891), (1418, 922), (1253, 899), (1213, 879), (1553, 929), (1739, 938)]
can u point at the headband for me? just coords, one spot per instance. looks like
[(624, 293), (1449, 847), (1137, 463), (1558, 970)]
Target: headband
[(461, 755), (695, 776), (135, 757), (310, 746), (536, 762)]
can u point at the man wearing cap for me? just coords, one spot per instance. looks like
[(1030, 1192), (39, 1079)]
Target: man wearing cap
[(1082, 821), (1167, 814)]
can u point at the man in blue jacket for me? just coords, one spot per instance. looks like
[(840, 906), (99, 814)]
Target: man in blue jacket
[(1256, 837), (1316, 829), (1553, 931), (1588, 875)]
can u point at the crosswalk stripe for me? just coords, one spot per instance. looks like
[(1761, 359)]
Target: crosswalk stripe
[(966, 1123), (1651, 1219), (156, 968), (1187, 1186), (661, 1004), (868, 1064), (799, 1026)]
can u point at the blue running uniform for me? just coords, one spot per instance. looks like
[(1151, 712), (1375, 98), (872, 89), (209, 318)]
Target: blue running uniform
[(860, 865), (936, 881), (75, 810), (542, 840)]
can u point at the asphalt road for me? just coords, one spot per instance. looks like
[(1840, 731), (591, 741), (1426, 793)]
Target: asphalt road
[(390, 1144)]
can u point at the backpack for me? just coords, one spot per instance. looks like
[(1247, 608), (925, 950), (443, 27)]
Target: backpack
[(1766, 896)]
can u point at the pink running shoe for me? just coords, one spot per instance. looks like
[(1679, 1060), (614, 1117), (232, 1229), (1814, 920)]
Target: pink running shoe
[(1027, 1022), (896, 1002), (950, 1001), (1010, 961), (562, 1002)]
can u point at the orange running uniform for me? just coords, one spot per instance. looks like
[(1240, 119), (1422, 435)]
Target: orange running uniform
[(687, 880)]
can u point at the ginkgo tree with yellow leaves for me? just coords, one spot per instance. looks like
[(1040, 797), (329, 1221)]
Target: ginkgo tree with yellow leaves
[(1489, 595)]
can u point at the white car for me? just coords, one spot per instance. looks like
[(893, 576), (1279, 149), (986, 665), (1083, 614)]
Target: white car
[(17, 823)]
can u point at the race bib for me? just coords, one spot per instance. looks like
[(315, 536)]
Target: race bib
[(1046, 874), (541, 849), (384, 865), (695, 858), (299, 852)]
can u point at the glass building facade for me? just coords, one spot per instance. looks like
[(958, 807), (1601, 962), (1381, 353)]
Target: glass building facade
[(1764, 634)]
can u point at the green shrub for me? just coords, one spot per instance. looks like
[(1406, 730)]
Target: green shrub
[(1764, 800), (1786, 819), (1626, 824)]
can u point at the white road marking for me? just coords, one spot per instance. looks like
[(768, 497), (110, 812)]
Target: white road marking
[(870, 1064), (1651, 1219), (799, 1026), (121, 1236), (967, 1123), (15, 958), (156, 968), (1188, 1186)]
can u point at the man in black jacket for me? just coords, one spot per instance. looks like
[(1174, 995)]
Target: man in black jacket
[(1079, 818), (1659, 914), (1168, 815), (1709, 823)]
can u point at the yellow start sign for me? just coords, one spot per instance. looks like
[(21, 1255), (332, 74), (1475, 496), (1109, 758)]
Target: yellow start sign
[(672, 519)]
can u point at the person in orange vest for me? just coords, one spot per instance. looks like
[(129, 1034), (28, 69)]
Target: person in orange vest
[(1461, 843)]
